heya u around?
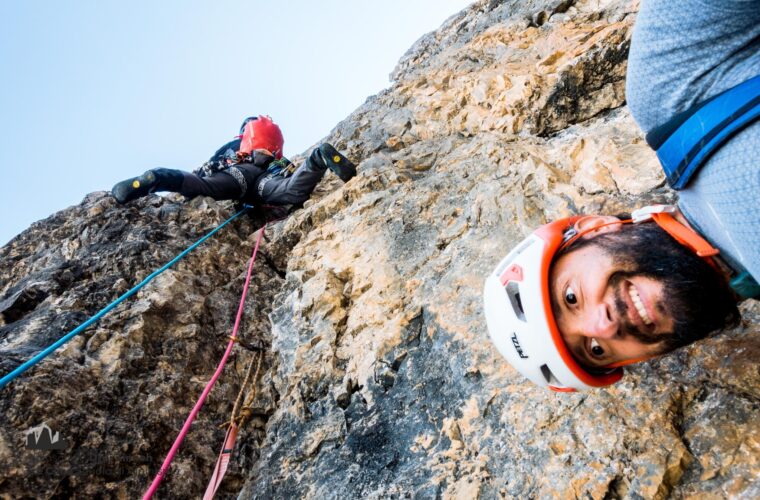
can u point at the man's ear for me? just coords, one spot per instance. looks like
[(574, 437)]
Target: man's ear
[(594, 225)]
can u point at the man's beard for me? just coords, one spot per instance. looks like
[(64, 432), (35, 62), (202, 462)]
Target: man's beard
[(694, 295)]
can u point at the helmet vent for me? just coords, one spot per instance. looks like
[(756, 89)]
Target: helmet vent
[(509, 259), (549, 376), (513, 292)]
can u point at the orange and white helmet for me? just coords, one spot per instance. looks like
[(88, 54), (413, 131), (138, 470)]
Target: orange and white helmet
[(518, 306)]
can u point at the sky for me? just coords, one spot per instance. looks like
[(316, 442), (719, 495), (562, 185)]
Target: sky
[(93, 92)]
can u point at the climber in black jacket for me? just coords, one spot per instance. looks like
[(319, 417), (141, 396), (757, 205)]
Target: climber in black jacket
[(250, 168)]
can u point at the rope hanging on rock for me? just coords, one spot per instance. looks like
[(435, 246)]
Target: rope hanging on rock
[(48, 350), (194, 412), (236, 421)]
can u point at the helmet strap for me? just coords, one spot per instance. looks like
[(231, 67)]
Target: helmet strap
[(685, 235), (573, 234), (662, 215), (631, 361)]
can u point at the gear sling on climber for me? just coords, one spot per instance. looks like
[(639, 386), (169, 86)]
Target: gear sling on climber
[(694, 89), (250, 169)]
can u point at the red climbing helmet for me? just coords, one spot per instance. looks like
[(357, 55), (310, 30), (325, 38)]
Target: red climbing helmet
[(262, 133), (518, 306)]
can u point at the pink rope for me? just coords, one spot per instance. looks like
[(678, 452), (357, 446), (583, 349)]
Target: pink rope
[(186, 428)]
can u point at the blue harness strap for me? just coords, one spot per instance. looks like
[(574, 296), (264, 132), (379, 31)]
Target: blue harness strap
[(686, 141)]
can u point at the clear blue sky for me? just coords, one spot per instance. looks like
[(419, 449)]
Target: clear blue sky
[(92, 92)]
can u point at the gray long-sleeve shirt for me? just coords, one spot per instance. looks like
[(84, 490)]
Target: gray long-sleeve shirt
[(683, 52)]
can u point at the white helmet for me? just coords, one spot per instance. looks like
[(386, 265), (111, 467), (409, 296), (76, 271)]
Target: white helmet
[(518, 307), (520, 319)]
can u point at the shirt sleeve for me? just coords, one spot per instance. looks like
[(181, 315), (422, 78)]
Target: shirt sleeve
[(684, 52)]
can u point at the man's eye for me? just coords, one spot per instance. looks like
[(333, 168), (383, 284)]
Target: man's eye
[(596, 349), (570, 297)]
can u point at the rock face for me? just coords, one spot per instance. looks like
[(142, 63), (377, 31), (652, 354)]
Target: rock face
[(379, 378)]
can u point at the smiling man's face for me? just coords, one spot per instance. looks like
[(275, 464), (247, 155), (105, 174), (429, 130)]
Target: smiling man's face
[(606, 315), (630, 292)]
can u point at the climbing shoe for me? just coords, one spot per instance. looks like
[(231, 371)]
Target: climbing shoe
[(339, 164), (156, 179), (134, 188)]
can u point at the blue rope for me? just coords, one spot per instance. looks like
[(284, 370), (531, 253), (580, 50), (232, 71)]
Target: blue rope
[(46, 352)]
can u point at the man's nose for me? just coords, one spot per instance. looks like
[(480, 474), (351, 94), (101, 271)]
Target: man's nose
[(600, 323)]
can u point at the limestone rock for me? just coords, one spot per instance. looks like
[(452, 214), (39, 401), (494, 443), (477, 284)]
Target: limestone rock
[(379, 379)]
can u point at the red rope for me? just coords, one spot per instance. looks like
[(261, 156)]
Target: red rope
[(186, 428)]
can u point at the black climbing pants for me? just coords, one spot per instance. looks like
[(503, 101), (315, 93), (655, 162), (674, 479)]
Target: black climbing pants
[(251, 183)]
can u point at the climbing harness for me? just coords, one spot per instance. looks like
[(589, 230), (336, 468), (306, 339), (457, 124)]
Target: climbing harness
[(194, 412), (211, 167), (6, 379), (282, 167), (685, 142)]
